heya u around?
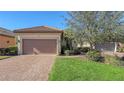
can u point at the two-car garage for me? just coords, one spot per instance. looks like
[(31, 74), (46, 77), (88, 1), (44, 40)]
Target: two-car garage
[(39, 40), (38, 46)]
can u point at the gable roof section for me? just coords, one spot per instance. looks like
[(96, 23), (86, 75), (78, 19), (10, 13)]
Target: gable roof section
[(6, 32), (38, 29)]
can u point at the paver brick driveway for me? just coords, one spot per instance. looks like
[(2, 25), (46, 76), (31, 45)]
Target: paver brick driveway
[(26, 67)]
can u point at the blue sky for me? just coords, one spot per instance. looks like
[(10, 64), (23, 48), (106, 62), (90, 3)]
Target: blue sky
[(22, 19)]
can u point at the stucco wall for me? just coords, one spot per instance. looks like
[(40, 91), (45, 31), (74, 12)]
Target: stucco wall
[(6, 41), (21, 36)]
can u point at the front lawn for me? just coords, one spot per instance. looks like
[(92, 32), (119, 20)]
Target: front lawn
[(68, 69), (4, 57)]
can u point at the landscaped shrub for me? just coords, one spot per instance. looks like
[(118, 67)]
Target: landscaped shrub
[(121, 61), (9, 51), (13, 50), (120, 49), (67, 52), (77, 51), (113, 60), (2, 51), (63, 49), (80, 50), (85, 49), (122, 58), (95, 56)]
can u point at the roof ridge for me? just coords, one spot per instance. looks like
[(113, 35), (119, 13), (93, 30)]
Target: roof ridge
[(52, 27), (5, 31), (37, 27), (1, 28)]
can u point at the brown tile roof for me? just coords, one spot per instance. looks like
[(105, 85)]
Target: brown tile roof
[(6, 32), (38, 29)]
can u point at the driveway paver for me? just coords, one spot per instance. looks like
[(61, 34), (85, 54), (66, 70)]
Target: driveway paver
[(26, 67)]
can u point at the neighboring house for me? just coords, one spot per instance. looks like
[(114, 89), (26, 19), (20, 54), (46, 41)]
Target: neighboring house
[(39, 40), (107, 47), (7, 38), (110, 46), (85, 44)]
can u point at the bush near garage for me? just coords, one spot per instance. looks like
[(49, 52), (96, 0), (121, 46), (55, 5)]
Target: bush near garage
[(67, 52), (2, 51), (12, 50)]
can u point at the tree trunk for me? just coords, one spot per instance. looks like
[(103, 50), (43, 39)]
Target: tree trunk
[(92, 46)]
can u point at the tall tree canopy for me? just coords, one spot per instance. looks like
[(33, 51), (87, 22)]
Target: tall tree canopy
[(68, 39), (96, 26)]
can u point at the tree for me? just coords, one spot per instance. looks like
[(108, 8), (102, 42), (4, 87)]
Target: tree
[(68, 40), (96, 26)]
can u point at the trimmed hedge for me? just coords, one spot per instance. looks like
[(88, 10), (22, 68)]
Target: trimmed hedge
[(9, 51), (77, 51)]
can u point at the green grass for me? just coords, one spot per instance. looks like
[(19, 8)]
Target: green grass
[(4, 57), (68, 69)]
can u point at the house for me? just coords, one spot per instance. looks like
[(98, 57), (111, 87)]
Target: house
[(7, 38), (39, 40), (85, 44), (108, 47)]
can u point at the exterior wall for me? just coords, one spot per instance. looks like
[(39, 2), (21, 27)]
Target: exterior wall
[(85, 44), (6, 41), (21, 36), (106, 47)]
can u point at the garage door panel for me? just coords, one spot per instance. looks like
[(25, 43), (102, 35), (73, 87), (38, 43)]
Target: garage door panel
[(31, 46)]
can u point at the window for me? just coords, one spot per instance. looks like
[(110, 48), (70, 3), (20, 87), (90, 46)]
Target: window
[(7, 42)]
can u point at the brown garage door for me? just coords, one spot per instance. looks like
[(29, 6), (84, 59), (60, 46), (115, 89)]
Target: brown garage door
[(39, 46)]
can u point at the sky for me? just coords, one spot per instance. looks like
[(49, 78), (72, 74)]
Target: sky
[(23, 19)]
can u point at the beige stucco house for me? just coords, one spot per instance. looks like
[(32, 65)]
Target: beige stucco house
[(38, 40)]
